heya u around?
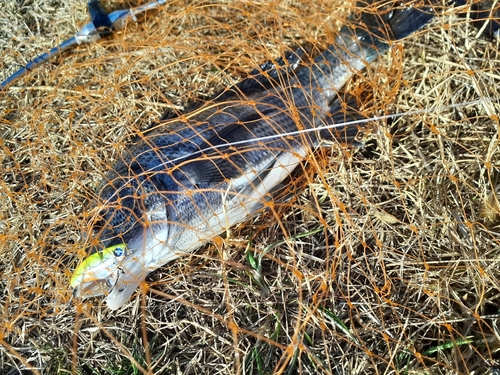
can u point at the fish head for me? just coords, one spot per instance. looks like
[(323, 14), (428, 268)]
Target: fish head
[(118, 270), (133, 230), (115, 272)]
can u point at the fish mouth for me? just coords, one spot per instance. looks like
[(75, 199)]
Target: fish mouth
[(129, 276), (114, 272), (117, 287), (89, 285)]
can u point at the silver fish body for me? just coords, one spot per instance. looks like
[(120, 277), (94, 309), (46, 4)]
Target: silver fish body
[(194, 176)]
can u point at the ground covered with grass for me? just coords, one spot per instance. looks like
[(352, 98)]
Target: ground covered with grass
[(385, 261)]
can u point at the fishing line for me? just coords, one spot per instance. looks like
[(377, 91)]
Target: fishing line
[(335, 126)]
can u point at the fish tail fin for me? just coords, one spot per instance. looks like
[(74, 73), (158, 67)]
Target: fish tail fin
[(365, 37), (388, 23), (373, 30)]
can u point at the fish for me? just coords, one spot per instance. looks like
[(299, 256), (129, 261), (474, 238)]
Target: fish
[(191, 177)]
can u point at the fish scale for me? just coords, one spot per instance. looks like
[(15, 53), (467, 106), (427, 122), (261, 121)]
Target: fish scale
[(192, 177)]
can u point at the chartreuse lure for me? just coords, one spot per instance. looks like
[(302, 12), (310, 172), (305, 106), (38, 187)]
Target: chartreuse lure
[(100, 271)]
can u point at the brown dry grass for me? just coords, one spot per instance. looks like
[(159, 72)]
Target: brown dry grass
[(408, 257)]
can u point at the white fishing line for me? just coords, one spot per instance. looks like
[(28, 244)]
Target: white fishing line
[(333, 126)]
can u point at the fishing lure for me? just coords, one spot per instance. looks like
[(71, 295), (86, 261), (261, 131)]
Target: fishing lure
[(100, 271)]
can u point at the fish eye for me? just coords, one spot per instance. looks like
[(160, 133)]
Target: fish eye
[(119, 252)]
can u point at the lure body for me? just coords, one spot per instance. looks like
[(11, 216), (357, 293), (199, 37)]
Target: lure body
[(99, 270), (194, 176)]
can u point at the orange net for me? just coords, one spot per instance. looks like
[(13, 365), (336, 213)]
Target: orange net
[(373, 259)]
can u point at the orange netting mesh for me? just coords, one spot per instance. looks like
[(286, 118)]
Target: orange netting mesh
[(381, 259)]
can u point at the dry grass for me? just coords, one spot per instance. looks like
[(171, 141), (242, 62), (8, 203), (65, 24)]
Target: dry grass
[(401, 275)]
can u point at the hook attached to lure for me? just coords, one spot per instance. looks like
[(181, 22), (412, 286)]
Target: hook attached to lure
[(99, 272)]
